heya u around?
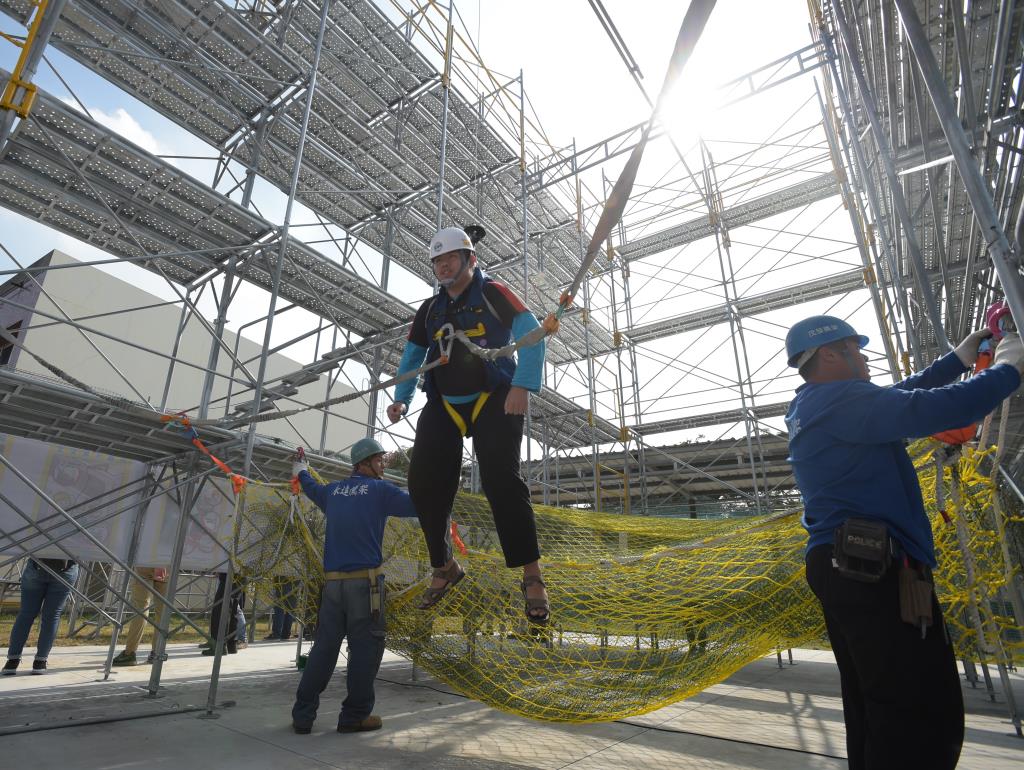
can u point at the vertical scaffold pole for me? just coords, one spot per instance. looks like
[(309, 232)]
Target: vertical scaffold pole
[(446, 84), (739, 347), (526, 239), (586, 331), (261, 374), (285, 227)]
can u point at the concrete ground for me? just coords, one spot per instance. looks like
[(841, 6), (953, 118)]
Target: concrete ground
[(762, 717)]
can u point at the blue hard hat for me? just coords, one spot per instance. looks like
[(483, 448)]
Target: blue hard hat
[(363, 448), (816, 331)]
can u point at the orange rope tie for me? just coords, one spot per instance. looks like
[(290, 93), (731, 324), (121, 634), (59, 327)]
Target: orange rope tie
[(458, 540), (237, 482)]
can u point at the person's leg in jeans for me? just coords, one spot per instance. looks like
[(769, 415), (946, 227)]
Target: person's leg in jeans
[(33, 591), (323, 657), (366, 649), (53, 605), (240, 622)]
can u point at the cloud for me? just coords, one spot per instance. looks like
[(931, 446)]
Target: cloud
[(121, 122)]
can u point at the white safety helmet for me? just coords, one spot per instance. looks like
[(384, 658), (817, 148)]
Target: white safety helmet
[(449, 239)]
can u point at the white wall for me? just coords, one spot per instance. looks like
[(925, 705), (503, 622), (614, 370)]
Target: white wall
[(85, 291)]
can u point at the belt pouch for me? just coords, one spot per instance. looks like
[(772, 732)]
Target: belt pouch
[(862, 550)]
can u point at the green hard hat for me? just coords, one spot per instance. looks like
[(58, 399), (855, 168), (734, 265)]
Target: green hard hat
[(364, 448)]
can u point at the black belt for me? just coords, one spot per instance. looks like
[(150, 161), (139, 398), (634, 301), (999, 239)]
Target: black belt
[(57, 565)]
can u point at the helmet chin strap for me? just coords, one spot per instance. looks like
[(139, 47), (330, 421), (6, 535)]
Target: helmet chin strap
[(446, 282)]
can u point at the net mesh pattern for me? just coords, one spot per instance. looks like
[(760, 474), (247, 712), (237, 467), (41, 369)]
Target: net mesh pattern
[(645, 611)]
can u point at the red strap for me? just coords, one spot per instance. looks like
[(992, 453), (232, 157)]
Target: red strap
[(458, 540)]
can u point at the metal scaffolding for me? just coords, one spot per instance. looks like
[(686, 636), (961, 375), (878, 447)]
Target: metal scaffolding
[(665, 388)]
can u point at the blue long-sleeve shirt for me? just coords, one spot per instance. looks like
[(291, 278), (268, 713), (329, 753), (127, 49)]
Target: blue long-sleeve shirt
[(846, 446), (356, 510)]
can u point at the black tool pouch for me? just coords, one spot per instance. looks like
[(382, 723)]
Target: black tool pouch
[(862, 550)]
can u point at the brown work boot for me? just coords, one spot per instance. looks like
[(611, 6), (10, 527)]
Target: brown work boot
[(372, 722)]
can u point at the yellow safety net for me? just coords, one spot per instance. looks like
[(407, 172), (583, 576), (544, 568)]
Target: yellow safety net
[(645, 611)]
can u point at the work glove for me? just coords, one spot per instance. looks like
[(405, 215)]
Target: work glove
[(299, 463), (967, 351), (1010, 350)]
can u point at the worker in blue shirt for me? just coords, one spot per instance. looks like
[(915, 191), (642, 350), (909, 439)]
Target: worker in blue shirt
[(352, 602), (866, 522), (468, 396)]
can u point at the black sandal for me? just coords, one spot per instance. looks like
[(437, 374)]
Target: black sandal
[(535, 604), (432, 596)]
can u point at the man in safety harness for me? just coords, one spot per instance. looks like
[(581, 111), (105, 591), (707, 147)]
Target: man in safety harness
[(352, 603), (870, 550), (470, 396)]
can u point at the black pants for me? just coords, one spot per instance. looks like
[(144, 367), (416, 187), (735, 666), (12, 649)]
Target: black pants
[(233, 603), (901, 694), (437, 465)]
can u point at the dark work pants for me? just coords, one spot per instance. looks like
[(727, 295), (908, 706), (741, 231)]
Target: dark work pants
[(233, 605), (901, 694), (437, 465), (344, 613)]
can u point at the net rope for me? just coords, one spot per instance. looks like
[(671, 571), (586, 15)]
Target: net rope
[(646, 611)]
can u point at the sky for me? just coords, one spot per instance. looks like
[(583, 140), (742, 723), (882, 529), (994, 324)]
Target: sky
[(580, 91)]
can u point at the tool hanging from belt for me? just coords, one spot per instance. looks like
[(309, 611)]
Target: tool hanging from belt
[(377, 597)]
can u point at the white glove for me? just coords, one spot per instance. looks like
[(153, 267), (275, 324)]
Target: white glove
[(298, 466), (1010, 350), (967, 351)]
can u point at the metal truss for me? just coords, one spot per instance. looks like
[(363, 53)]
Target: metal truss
[(365, 115)]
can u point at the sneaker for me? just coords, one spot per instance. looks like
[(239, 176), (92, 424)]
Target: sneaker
[(241, 645), (272, 638), (300, 730), (38, 666), (11, 667), (124, 659), (151, 658), (372, 722)]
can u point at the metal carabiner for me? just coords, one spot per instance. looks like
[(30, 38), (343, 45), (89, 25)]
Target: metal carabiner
[(445, 343)]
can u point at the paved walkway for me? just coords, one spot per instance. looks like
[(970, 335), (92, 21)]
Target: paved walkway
[(762, 717)]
